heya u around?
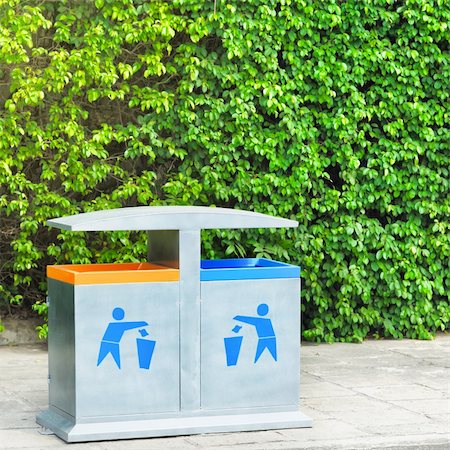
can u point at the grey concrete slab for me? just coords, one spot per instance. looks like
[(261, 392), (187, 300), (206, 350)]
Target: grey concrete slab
[(175, 443), (410, 391), (330, 430), (424, 406), (17, 420), (433, 379), (376, 395), (425, 426), (353, 403), (445, 418), (327, 389), (378, 418), (243, 439)]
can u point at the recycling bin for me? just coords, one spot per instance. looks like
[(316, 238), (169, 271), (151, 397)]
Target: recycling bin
[(107, 322), (173, 345), (250, 330)]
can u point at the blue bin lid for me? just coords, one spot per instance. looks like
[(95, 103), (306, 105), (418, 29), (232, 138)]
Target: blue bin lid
[(246, 269)]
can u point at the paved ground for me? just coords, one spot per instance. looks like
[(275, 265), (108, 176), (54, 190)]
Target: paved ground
[(376, 395)]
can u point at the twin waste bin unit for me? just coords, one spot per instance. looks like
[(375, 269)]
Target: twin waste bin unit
[(176, 345)]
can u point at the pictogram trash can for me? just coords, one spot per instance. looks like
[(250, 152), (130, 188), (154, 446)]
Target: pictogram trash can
[(175, 345)]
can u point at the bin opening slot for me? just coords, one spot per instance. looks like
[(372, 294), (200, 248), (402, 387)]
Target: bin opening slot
[(246, 268), (119, 267), (240, 263), (112, 273)]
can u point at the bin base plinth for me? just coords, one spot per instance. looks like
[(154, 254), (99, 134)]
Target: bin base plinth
[(177, 426)]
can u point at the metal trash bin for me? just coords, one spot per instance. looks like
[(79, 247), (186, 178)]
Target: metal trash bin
[(175, 345), (250, 330), (103, 314)]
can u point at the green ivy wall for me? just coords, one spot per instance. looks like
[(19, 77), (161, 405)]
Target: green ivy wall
[(329, 112)]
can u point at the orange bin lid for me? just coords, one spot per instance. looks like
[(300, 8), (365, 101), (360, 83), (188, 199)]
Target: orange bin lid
[(112, 273)]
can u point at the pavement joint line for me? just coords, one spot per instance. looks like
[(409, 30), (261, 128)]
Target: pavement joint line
[(425, 362)]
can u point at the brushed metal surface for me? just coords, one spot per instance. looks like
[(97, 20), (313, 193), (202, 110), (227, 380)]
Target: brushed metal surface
[(61, 346), (104, 389), (190, 319), (168, 218), (71, 432), (265, 382)]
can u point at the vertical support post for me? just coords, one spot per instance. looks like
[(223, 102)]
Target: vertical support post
[(190, 249), (181, 249)]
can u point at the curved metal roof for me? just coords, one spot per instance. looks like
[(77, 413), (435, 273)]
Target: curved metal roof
[(168, 218)]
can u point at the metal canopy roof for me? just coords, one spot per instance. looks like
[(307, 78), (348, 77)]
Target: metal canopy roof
[(168, 218)]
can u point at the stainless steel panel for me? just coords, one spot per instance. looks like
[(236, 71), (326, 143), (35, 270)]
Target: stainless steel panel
[(168, 218), (61, 346), (190, 319), (130, 311), (273, 380), (170, 426)]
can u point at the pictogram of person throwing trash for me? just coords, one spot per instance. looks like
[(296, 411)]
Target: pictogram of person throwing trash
[(114, 333), (264, 330)]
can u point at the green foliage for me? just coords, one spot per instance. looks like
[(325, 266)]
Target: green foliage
[(332, 113)]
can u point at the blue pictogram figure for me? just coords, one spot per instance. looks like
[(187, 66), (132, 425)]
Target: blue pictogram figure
[(113, 334), (264, 330)]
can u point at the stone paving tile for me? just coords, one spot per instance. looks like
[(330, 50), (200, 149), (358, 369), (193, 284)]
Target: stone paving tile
[(411, 442), (339, 404), (15, 405), (434, 378), (400, 392), (355, 443), (27, 439), (238, 439), (324, 389), (169, 443), (387, 365), (369, 378), (314, 414), (423, 352), (10, 419), (32, 384), (444, 418), (380, 417), (37, 399), (323, 430), (306, 378), (431, 406), (425, 426)]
